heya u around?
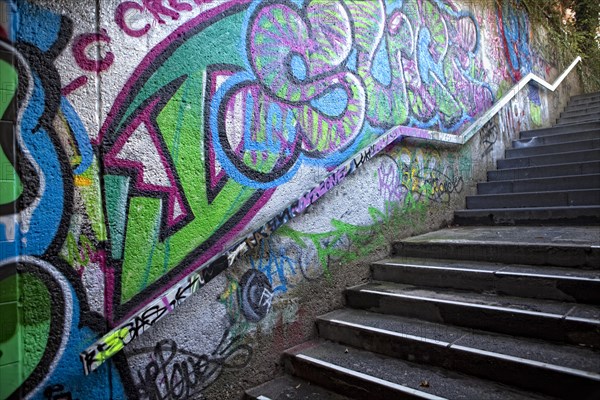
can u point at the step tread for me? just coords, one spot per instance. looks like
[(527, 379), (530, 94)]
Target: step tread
[(540, 157), (579, 111), (409, 376), (576, 105), (543, 282), (560, 236), (564, 215), (528, 209), (575, 360), (548, 184), (588, 103), (537, 192), (544, 179), (546, 171), (584, 116), (549, 148), (551, 165), (494, 268), (591, 113), (291, 388), (560, 244), (585, 95), (561, 129), (538, 198), (557, 310), (554, 139), (575, 120)]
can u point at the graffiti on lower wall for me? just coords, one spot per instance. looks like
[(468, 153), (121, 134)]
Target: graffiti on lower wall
[(148, 146)]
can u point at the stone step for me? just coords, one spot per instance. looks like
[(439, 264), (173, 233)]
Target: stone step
[(550, 159), (592, 106), (365, 375), (561, 246), (550, 283), (584, 216), (556, 139), (584, 96), (577, 120), (583, 109), (290, 388), (568, 323), (535, 150), (570, 182), (557, 370), (556, 130), (562, 198), (593, 100), (580, 111), (547, 171)]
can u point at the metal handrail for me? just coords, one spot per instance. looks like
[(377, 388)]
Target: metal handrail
[(492, 111)]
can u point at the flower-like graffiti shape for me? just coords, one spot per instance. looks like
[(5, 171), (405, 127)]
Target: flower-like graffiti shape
[(298, 100)]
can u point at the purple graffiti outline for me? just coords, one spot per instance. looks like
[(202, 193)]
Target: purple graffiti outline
[(173, 192), (150, 59)]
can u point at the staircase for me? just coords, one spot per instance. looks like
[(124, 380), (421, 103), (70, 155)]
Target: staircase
[(551, 176), (505, 306)]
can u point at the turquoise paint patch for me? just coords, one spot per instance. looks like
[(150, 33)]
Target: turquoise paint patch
[(117, 189), (298, 66), (352, 61), (333, 103), (381, 69)]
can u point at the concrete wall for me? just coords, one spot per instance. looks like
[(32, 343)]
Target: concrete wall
[(140, 139)]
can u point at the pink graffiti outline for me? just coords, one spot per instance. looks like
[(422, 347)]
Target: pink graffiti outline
[(79, 51), (149, 60), (172, 191)]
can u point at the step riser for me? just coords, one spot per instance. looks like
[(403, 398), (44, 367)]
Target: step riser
[(585, 96), (461, 359), (579, 111), (504, 283), (342, 383), (485, 318), (543, 217), (541, 185), (591, 101), (556, 139), (560, 130), (576, 120), (589, 97), (289, 388), (567, 256), (550, 159), (553, 148), (545, 172), (547, 199)]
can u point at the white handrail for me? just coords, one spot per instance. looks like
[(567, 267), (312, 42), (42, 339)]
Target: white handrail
[(489, 114)]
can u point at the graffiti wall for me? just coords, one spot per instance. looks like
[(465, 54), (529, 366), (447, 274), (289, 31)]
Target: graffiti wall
[(151, 148)]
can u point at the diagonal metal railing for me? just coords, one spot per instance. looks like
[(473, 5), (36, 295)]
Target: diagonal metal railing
[(123, 334)]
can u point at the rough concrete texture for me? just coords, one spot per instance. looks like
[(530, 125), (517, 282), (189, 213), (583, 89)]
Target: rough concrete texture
[(140, 139)]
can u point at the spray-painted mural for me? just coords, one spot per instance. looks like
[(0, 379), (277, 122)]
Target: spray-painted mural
[(145, 140)]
